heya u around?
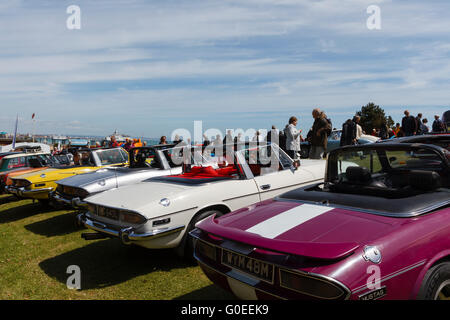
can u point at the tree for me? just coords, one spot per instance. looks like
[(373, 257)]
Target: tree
[(372, 116)]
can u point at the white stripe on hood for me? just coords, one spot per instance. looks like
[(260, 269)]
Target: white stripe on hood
[(287, 220)]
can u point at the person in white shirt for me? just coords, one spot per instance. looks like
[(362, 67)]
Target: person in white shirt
[(359, 130), (293, 138)]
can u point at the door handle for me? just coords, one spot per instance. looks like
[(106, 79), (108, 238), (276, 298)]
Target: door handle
[(265, 187)]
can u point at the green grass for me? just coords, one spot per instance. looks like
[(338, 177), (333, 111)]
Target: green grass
[(37, 244)]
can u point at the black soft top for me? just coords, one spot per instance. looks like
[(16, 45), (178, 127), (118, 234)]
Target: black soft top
[(413, 205)]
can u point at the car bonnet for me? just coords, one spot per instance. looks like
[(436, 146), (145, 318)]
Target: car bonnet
[(309, 230)]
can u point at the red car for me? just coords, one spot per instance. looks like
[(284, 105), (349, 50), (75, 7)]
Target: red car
[(379, 229)]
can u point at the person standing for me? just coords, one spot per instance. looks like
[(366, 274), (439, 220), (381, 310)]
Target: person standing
[(419, 124), (114, 143), (384, 131), (348, 136), (359, 130), (409, 124), (163, 140), (397, 129), (438, 125), (292, 138), (318, 135), (425, 128)]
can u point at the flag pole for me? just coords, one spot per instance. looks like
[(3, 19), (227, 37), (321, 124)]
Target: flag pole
[(15, 133), (33, 126)]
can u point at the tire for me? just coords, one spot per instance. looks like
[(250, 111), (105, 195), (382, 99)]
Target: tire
[(304, 152), (186, 248), (436, 283), (44, 202)]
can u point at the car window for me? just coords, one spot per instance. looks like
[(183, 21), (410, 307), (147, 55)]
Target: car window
[(265, 160), (112, 156), (18, 162)]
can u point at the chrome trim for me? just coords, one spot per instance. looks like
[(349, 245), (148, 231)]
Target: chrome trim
[(75, 202), (302, 273), (127, 234), (391, 275), (32, 191)]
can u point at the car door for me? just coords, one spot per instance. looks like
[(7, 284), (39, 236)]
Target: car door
[(280, 175), (273, 184)]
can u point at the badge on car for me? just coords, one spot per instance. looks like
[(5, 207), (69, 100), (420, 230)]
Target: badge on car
[(256, 268), (372, 253), (374, 295)]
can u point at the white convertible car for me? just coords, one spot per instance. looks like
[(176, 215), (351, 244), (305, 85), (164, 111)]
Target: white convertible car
[(159, 212)]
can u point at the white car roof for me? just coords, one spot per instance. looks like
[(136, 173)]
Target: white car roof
[(23, 154)]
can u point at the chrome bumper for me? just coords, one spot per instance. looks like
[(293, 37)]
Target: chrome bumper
[(76, 203), (126, 235), (20, 192)]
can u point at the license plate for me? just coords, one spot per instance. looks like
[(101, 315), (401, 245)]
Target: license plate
[(256, 268)]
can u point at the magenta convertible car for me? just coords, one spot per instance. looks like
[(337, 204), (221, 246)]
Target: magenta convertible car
[(378, 229)]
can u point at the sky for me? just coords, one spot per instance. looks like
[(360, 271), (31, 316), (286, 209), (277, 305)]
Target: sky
[(147, 67)]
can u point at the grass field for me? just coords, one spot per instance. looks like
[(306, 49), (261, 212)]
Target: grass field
[(37, 244)]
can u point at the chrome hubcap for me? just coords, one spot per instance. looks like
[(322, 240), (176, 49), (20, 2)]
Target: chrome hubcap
[(443, 293)]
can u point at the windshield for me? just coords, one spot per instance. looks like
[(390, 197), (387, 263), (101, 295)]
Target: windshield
[(112, 156), (389, 171)]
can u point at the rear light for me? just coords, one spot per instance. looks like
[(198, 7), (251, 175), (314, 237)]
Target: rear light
[(131, 217), (311, 286)]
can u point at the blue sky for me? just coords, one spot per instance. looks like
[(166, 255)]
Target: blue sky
[(149, 67)]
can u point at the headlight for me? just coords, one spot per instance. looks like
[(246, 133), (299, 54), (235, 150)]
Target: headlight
[(21, 183), (315, 287), (131, 217)]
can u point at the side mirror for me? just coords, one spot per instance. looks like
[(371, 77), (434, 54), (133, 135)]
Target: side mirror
[(296, 164)]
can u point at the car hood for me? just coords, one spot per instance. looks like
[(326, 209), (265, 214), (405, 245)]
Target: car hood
[(143, 197), (313, 231), (53, 174), (85, 179)]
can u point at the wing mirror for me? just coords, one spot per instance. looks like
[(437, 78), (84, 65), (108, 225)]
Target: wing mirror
[(296, 164)]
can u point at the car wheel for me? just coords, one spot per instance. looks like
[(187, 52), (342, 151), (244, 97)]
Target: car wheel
[(304, 153), (436, 284), (44, 202), (187, 244)]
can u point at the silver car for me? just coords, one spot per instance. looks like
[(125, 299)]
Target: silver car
[(145, 163)]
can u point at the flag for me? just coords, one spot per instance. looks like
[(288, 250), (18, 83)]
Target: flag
[(15, 133)]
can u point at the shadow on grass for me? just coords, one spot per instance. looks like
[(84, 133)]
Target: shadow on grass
[(7, 199), (211, 292), (107, 262), (21, 212), (56, 226)]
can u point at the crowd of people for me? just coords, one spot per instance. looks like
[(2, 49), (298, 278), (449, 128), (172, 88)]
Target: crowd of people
[(290, 138), (127, 145)]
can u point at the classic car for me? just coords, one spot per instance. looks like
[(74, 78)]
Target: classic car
[(158, 212), (38, 185), (21, 160), (441, 140), (34, 164), (145, 162), (334, 141), (377, 229)]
